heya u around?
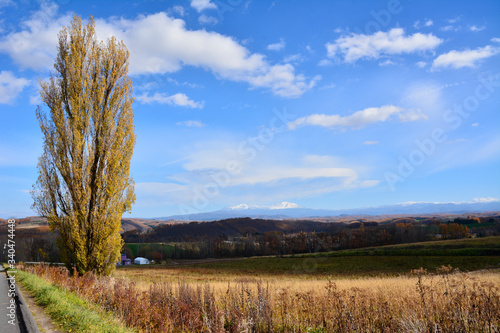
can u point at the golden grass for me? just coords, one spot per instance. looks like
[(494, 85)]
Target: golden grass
[(185, 300), (404, 284)]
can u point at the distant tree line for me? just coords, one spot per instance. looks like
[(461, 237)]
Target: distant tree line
[(244, 237), (32, 244)]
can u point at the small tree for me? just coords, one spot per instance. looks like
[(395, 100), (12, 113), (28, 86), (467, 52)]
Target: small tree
[(84, 186)]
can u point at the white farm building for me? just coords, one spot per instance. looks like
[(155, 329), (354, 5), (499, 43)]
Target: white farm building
[(141, 261)]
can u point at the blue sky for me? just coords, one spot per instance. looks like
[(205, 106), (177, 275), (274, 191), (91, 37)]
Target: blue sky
[(321, 104)]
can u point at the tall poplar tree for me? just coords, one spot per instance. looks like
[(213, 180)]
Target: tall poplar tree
[(84, 185)]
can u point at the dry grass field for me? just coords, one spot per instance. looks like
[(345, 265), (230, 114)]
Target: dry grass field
[(187, 299), (366, 290), (144, 277)]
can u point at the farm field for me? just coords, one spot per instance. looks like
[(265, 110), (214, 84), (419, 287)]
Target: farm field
[(323, 268), (464, 254), (378, 267), (344, 291)]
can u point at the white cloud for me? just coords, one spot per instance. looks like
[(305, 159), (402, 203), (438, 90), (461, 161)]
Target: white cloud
[(266, 169), (204, 19), (158, 188), (359, 119), (239, 207), (452, 24), (475, 28), (211, 155), (322, 160), (179, 10), (325, 62), (10, 87), (456, 141), (270, 176), (484, 200), (149, 85), (190, 123), (475, 200), (158, 44), (161, 44), (421, 64), (35, 47), (35, 100), (275, 174), (411, 115), (387, 62), (283, 81), (449, 28), (327, 86), (294, 58), (488, 150), (426, 23), (204, 164), (370, 143), (475, 125), (477, 150), (277, 46), (281, 205), (453, 20), (178, 99), (284, 205), (154, 194), (468, 58), (425, 95), (201, 5), (358, 46)]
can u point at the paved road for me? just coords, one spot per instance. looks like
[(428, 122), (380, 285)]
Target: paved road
[(9, 315), (15, 315)]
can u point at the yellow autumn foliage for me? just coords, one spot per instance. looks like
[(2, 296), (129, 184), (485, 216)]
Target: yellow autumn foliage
[(84, 185)]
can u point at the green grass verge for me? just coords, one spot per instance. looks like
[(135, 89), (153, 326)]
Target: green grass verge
[(69, 311)]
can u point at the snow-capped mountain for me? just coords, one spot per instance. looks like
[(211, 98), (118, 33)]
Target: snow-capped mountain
[(291, 210)]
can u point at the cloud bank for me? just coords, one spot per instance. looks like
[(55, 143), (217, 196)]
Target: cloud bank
[(359, 119), (178, 99), (467, 58), (159, 44), (10, 87), (358, 46)]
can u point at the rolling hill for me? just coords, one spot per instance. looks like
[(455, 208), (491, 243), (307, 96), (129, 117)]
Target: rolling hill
[(276, 212)]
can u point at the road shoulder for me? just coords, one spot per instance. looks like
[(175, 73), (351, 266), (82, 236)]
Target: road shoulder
[(45, 323), (10, 321)]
